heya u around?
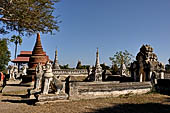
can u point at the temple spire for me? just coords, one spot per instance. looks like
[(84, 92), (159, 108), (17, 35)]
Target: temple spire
[(38, 50), (97, 59), (56, 64), (98, 68)]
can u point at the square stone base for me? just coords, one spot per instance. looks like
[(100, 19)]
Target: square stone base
[(51, 97)]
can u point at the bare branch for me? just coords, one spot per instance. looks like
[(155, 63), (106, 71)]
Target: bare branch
[(6, 19)]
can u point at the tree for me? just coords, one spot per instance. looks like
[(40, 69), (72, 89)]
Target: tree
[(167, 68), (104, 67), (122, 57), (64, 66), (79, 66), (114, 69), (28, 16), (17, 40), (4, 54)]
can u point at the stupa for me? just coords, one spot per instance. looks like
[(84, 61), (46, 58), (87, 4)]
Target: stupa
[(38, 56), (55, 64), (98, 68)]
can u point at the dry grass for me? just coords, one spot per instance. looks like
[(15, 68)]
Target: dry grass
[(148, 103)]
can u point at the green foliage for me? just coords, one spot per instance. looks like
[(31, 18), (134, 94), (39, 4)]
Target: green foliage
[(17, 40), (122, 57), (79, 65), (85, 67), (28, 16), (167, 68), (114, 69), (64, 66), (4, 54), (104, 67)]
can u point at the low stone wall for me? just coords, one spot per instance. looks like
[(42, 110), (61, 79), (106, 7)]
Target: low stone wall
[(70, 71), (74, 74), (89, 90)]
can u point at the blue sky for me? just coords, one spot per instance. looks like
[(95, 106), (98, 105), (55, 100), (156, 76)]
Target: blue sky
[(110, 25)]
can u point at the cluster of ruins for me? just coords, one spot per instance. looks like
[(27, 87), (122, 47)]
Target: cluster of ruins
[(51, 82)]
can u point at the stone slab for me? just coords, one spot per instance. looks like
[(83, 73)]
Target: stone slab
[(51, 97), (47, 102), (89, 90), (14, 87)]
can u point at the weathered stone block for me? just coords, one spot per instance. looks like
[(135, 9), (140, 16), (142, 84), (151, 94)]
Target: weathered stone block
[(51, 97), (87, 90)]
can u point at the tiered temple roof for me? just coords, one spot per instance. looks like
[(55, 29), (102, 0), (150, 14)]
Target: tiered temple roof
[(23, 57)]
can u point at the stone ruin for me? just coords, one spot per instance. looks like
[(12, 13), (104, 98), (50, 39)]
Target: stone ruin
[(123, 70), (47, 86), (98, 69), (147, 67), (53, 83), (14, 73), (95, 74)]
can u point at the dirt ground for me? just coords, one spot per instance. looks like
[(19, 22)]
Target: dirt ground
[(148, 103)]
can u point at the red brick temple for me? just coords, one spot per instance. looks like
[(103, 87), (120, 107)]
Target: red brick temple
[(22, 58), (38, 56)]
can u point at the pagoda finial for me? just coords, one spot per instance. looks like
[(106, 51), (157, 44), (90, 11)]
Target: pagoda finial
[(56, 53), (38, 38), (97, 58), (38, 34)]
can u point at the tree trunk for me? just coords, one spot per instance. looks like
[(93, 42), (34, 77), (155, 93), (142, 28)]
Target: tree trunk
[(15, 50)]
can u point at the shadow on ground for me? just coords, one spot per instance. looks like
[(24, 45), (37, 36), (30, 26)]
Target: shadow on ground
[(25, 101), (135, 108), (16, 95)]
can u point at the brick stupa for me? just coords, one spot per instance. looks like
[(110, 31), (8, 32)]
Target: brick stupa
[(38, 56)]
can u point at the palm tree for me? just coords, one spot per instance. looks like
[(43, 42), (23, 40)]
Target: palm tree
[(17, 40)]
